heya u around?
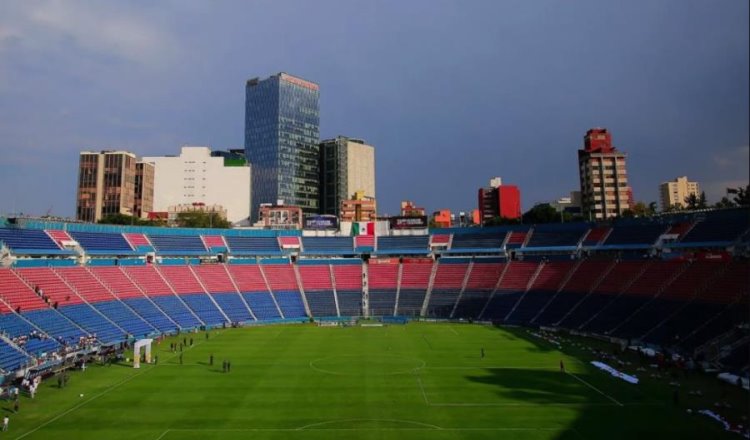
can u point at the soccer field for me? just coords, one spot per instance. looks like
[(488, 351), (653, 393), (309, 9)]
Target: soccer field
[(416, 381)]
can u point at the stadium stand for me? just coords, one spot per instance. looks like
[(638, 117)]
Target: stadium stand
[(253, 245), (716, 228), (191, 292), (220, 286), (482, 281), (636, 235), (11, 358), (30, 241), (547, 282), (178, 244), (348, 283), (513, 284), (139, 242), (283, 284), (318, 287), (328, 245), (404, 245), (595, 236), (382, 279), (447, 285), (415, 278), (102, 242), (557, 236)]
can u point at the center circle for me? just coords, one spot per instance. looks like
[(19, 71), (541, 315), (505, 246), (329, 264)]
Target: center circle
[(367, 365)]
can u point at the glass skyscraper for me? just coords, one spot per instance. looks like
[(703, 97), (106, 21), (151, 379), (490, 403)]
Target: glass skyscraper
[(281, 141)]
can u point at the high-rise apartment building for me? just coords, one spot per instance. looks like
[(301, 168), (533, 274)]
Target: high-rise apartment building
[(499, 200), (197, 176), (347, 165), (603, 174), (281, 141), (106, 185), (144, 189), (674, 193)]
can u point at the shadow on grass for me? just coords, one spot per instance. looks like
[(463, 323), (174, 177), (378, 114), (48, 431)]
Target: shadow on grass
[(605, 407)]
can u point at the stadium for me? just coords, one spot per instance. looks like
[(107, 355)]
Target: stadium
[(521, 332)]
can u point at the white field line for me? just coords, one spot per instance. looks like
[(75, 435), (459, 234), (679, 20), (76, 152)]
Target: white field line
[(597, 390), (424, 394), (116, 385), (419, 427)]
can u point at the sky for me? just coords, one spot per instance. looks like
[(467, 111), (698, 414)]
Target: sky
[(450, 93)]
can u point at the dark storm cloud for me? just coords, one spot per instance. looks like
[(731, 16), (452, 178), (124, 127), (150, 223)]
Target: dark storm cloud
[(451, 93)]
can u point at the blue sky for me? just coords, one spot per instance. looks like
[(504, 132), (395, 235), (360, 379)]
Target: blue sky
[(451, 93)]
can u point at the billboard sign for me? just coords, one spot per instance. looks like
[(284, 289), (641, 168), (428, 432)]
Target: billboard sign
[(408, 222), (322, 222)]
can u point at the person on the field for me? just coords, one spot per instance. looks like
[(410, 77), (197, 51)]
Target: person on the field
[(211, 359), (180, 358), (224, 366), (562, 366), (6, 420), (229, 366), (482, 352), (16, 405)]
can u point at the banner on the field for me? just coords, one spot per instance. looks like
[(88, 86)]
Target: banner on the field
[(322, 222), (408, 222)]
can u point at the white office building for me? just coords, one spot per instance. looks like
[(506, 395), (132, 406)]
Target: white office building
[(196, 177)]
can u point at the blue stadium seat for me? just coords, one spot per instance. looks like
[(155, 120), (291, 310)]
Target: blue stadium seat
[(407, 244), (94, 323), (262, 305), (253, 245), (15, 326), (177, 311), (178, 244), (233, 306), (56, 325), (101, 242), (327, 245), (290, 304), (151, 314), (206, 310), (124, 317), (10, 358), (350, 302), (30, 241)]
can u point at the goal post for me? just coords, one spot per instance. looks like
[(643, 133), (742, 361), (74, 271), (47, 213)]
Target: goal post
[(144, 344)]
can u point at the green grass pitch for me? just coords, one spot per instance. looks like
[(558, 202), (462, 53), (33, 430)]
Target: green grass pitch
[(415, 381)]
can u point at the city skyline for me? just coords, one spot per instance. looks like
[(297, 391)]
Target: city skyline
[(447, 111)]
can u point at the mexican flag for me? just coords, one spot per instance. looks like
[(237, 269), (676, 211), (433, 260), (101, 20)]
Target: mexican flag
[(363, 228)]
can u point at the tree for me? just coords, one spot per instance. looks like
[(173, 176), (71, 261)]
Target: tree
[(545, 213), (741, 195), (497, 221), (640, 209), (696, 202), (201, 219), (124, 219), (724, 203)]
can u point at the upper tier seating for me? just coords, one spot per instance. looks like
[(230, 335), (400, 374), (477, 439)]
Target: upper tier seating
[(477, 241), (31, 241), (138, 241), (545, 236), (214, 242), (327, 245), (101, 242), (630, 234), (718, 226), (178, 244), (253, 245), (404, 244), (516, 239), (596, 235)]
